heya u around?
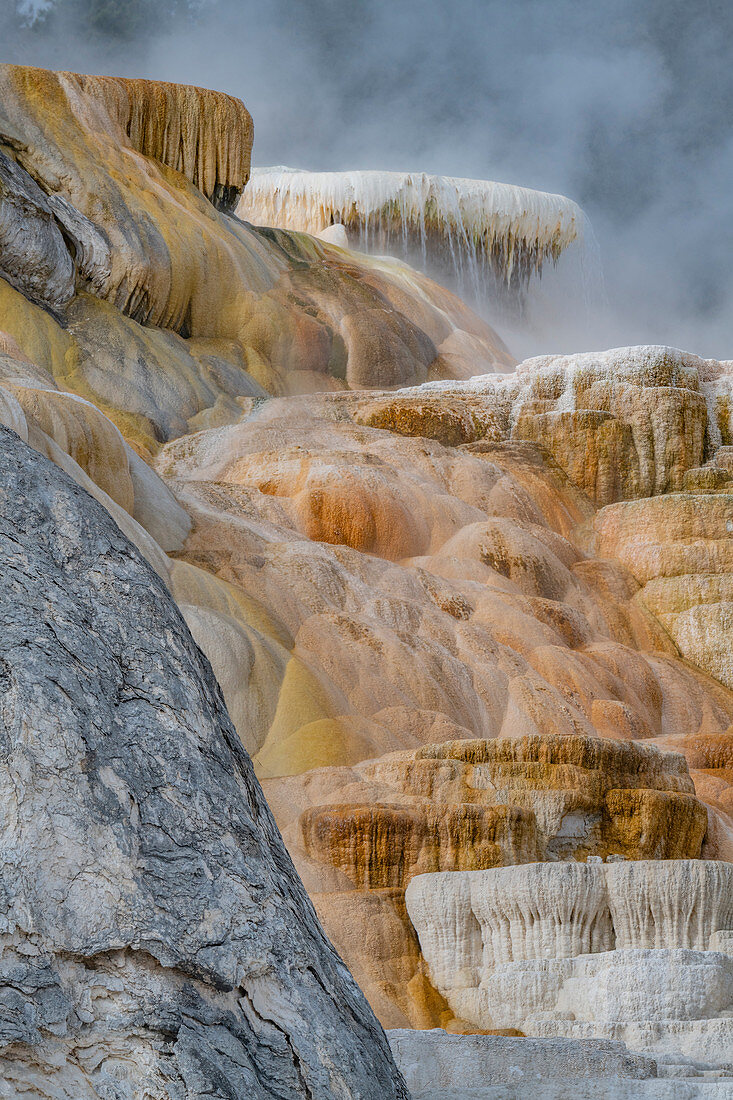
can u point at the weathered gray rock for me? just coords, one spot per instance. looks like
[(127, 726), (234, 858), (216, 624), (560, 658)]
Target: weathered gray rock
[(155, 942), (436, 1060), (34, 257), (91, 248), (591, 1089)]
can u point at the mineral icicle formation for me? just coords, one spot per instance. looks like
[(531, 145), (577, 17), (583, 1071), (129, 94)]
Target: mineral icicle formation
[(204, 135), (470, 227), (156, 939)]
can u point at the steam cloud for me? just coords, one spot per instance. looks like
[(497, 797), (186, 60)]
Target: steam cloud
[(624, 106)]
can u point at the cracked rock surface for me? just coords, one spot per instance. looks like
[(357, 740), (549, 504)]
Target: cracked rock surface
[(155, 941)]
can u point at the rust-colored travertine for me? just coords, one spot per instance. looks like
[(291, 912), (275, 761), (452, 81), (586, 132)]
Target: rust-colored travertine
[(360, 834)]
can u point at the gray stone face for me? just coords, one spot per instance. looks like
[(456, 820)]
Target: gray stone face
[(591, 1089), (155, 941), (33, 254), (92, 253), (457, 1064)]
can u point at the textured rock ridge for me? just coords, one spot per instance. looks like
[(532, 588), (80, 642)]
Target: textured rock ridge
[(623, 423), (155, 939)]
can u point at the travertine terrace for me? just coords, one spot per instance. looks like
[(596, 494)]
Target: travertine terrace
[(469, 227), (638, 951), (469, 624)]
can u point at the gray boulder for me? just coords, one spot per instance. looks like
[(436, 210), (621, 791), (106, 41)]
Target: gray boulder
[(155, 941)]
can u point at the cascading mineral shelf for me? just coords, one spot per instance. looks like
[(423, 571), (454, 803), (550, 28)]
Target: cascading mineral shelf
[(473, 229), (639, 951)]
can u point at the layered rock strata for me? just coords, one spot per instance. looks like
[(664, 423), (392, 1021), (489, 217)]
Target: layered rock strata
[(155, 936)]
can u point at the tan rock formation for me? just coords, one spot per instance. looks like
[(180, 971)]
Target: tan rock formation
[(679, 548), (623, 424), (443, 578)]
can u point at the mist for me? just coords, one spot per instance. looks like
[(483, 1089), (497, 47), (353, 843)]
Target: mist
[(626, 107)]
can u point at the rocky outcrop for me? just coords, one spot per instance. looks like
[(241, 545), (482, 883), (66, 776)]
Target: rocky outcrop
[(452, 423), (154, 933), (622, 424), (171, 310)]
